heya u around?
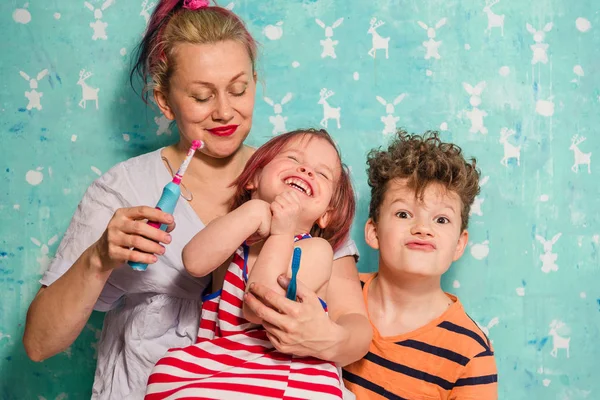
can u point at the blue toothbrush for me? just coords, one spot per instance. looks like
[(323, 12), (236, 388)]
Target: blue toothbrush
[(291, 290)]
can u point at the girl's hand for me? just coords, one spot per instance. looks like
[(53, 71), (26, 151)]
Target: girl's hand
[(129, 238), (262, 211), (286, 210)]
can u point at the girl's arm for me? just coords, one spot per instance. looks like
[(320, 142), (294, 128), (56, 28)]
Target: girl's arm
[(274, 260), (214, 244)]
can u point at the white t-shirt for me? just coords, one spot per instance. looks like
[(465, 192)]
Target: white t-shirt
[(150, 311)]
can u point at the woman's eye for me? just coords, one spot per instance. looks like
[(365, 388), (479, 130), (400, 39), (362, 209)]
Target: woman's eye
[(442, 220), (238, 91), (402, 214), (201, 99)]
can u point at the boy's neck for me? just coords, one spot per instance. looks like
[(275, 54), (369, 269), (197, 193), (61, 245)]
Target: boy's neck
[(400, 303)]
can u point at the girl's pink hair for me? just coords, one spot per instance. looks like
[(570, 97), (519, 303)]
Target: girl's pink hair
[(342, 205)]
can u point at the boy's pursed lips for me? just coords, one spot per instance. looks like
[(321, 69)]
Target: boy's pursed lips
[(415, 244)]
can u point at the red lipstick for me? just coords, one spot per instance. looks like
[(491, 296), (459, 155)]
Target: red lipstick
[(223, 131)]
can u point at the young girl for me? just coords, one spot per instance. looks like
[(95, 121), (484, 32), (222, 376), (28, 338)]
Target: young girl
[(294, 192)]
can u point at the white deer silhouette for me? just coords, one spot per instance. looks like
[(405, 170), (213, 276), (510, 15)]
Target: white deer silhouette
[(558, 341), (431, 45), (379, 43), (328, 43), (278, 120), (494, 20), (539, 48), (33, 95), (390, 120), (87, 92), (548, 258), (580, 157), (328, 111), (146, 9), (510, 150)]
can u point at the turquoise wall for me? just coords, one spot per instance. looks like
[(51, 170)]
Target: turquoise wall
[(530, 274)]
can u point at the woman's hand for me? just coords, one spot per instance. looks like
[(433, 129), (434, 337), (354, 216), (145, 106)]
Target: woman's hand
[(129, 238), (301, 328)]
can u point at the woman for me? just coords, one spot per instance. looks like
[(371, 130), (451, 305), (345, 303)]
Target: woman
[(199, 61)]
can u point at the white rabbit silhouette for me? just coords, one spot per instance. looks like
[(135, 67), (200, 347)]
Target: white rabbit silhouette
[(478, 201), (164, 125), (548, 258), (33, 95), (475, 114), (278, 120), (328, 43), (539, 48), (99, 26), (486, 329), (390, 120), (432, 46), (44, 260)]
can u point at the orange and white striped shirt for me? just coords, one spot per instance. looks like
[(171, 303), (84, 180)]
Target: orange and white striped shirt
[(449, 358)]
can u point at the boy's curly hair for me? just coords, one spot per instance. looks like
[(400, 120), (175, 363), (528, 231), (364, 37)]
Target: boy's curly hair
[(422, 160)]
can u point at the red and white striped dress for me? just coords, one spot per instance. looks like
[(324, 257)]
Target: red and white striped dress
[(234, 359)]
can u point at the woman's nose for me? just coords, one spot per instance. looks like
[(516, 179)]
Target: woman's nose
[(223, 110)]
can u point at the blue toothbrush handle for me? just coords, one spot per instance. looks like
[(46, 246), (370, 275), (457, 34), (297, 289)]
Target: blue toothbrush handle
[(292, 287), (166, 203)]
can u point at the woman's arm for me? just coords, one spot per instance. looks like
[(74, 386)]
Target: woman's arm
[(214, 244), (59, 312), (303, 329)]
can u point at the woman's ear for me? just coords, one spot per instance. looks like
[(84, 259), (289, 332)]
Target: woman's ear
[(371, 234), (163, 104)]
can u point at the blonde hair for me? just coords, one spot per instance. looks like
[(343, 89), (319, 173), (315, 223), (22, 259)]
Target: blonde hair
[(171, 25)]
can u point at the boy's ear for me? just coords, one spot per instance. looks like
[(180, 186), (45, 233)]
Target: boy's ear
[(461, 245), (371, 234), (163, 104)]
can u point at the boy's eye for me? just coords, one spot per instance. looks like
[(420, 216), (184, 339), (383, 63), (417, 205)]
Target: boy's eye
[(442, 220), (402, 214)]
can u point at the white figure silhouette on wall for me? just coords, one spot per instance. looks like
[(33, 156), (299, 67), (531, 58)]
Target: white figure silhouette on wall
[(390, 120), (548, 258), (545, 107), (476, 208), (328, 43), (33, 95), (164, 125), (328, 111), (99, 26), (278, 120), (87, 92), (510, 151), (540, 48), (494, 20), (486, 328), (378, 42), (558, 342), (44, 260), (580, 157), (475, 114), (431, 45), (147, 10)]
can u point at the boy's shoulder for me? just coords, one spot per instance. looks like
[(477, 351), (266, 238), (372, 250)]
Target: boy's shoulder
[(465, 335)]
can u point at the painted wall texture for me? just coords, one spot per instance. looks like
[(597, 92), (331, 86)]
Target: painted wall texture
[(515, 83)]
